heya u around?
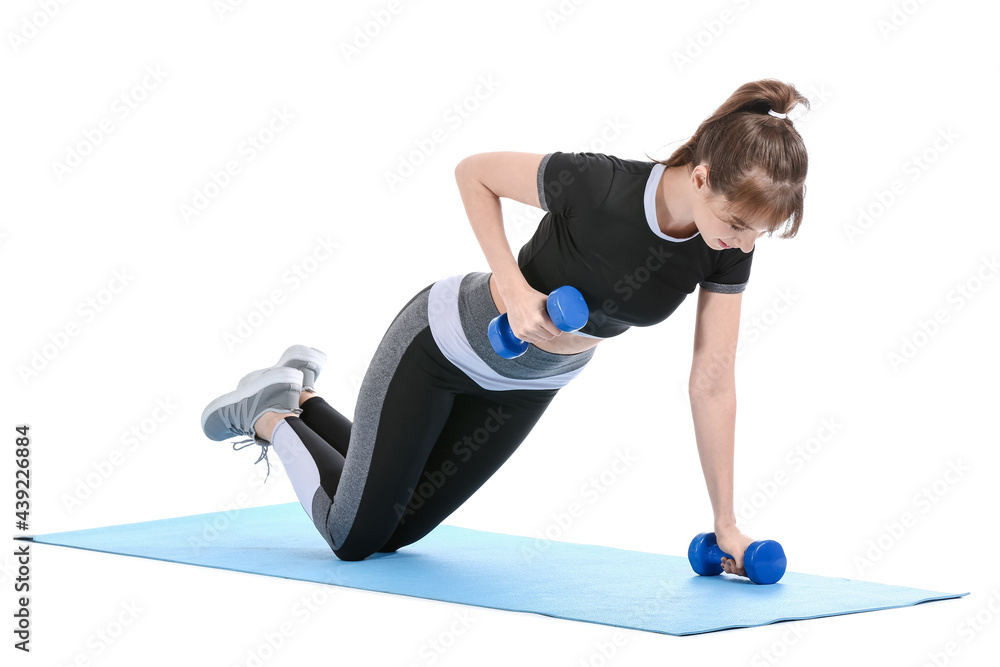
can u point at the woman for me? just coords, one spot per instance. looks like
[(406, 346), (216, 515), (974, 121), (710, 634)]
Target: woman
[(439, 411)]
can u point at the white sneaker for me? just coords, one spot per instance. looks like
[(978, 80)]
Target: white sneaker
[(272, 389), (309, 360)]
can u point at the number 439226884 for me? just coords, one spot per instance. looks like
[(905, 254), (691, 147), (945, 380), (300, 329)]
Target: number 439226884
[(22, 484)]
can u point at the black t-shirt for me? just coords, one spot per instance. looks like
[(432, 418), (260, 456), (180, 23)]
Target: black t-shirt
[(600, 235)]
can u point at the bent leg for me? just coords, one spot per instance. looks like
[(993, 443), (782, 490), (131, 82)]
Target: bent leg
[(400, 452), (389, 448), (327, 423), (404, 401), (311, 464), (480, 435), (416, 402)]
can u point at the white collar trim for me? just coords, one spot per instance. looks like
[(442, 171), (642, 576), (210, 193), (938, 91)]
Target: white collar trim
[(650, 204)]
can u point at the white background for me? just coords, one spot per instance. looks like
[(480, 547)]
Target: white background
[(822, 315)]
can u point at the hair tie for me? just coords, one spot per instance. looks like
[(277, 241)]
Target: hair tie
[(776, 114)]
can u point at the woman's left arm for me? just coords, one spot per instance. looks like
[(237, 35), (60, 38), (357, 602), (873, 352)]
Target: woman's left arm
[(712, 390)]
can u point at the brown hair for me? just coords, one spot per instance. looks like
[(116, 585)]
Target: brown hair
[(757, 162)]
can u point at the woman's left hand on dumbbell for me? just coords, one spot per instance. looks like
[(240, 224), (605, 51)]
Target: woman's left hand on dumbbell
[(733, 541)]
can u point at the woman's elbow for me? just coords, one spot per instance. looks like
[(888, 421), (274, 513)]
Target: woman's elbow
[(715, 380)]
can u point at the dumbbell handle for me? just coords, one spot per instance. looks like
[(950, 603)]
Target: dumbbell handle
[(567, 309), (715, 554)]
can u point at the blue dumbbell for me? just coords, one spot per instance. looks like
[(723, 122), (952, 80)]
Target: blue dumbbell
[(567, 310), (764, 560)]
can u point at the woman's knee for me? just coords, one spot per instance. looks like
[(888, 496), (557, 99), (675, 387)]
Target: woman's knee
[(352, 554), (361, 542), (357, 550)]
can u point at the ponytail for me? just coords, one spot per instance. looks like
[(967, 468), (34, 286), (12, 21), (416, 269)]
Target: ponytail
[(756, 161)]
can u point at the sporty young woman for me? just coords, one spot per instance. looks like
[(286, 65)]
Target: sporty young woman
[(439, 411)]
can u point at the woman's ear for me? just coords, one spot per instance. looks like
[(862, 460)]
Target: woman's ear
[(699, 177)]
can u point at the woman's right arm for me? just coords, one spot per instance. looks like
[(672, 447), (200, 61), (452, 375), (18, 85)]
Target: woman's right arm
[(482, 179)]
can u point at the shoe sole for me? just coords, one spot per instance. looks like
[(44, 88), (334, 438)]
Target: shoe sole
[(277, 375)]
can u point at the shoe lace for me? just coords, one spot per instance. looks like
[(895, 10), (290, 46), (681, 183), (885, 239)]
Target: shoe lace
[(264, 444), (240, 414)]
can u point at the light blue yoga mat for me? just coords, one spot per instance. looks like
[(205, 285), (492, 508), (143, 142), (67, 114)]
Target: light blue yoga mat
[(628, 589)]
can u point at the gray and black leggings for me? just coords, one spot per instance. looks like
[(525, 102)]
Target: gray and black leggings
[(437, 414)]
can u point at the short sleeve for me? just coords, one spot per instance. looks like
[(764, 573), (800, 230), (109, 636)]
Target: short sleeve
[(569, 182), (731, 274)]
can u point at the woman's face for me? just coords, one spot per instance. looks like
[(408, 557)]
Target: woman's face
[(720, 229)]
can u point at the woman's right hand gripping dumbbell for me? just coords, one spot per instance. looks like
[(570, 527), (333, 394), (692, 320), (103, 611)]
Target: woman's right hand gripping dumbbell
[(537, 317), (528, 315)]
